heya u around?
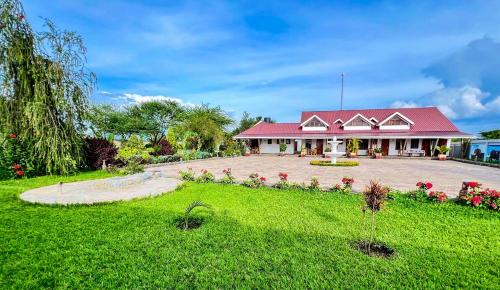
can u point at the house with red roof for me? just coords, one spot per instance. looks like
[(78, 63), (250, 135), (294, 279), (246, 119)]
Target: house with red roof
[(403, 131)]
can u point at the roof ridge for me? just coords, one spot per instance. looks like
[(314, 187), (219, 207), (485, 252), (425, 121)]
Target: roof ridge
[(370, 109)]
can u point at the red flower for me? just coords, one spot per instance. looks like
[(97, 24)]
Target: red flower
[(442, 197), (283, 176), (419, 184), (20, 173), (12, 136), (431, 194), (476, 200), (262, 178), (473, 184), (16, 167), (428, 185)]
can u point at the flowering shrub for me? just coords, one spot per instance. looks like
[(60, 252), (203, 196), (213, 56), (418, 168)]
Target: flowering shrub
[(187, 175), (228, 177), (206, 176), (314, 185), (15, 162), (421, 192), (438, 196), (254, 181), (476, 197), (283, 183), (347, 182)]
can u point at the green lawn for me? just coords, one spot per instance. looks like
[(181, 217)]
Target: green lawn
[(255, 238)]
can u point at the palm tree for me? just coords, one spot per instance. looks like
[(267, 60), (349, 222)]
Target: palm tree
[(189, 209)]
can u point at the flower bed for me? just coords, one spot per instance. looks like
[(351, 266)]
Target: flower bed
[(329, 163)]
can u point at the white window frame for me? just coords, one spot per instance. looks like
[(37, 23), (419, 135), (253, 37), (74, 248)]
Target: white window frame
[(369, 127), (322, 128)]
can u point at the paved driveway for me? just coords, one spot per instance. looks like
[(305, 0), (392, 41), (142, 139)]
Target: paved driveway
[(397, 173)]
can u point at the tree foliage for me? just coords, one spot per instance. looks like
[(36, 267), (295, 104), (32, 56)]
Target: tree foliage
[(246, 122), (494, 134), (44, 89)]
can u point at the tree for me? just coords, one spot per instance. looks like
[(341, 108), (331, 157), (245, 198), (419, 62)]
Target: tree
[(45, 87), (494, 134), (208, 125), (246, 123)]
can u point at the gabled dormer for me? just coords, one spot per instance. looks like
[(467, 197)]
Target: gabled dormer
[(396, 121), (358, 122), (314, 123)]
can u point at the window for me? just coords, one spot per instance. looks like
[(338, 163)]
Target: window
[(415, 143), (363, 144), (358, 122), (287, 141), (395, 121), (269, 141), (400, 144), (314, 123)]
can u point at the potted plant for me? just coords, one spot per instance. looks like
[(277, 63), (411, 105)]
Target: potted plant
[(377, 152), (327, 151), (353, 147), (442, 152), (282, 149), (303, 150)]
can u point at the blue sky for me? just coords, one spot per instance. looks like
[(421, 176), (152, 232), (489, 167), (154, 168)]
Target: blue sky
[(280, 58)]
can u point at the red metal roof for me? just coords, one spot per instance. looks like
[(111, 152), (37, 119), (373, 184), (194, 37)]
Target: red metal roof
[(428, 121)]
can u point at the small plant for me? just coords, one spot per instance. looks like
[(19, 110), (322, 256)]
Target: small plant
[(374, 196), (438, 196), (353, 146), (282, 148), (187, 175), (133, 166), (442, 149), (377, 150), (283, 183), (347, 182), (314, 185), (188, 222), (205, 177), (421, 192), (254, 181), (228, 177), (476, 197)]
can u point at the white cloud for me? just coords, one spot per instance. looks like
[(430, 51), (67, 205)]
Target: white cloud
[(458, 103), (139, 99)]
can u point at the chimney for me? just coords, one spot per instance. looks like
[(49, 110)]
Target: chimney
[(267, 119)]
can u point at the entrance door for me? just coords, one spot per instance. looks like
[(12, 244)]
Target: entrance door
[(319, 147), (294, 146), (426, 146), (385, 147)]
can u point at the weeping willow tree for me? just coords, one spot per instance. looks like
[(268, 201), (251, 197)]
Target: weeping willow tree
[(44, 90)]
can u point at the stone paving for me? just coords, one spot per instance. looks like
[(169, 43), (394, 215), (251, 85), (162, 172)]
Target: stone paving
[(401, 174), (103, 190)]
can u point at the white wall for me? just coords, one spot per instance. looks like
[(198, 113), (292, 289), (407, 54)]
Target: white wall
[(274, 148)]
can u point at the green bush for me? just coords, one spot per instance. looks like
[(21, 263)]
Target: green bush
[(133, 148), (328, 163)]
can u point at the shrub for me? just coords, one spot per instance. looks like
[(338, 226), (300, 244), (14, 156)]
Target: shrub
[(97, 151), (205, 177), (164, 159), (347, 182), (133, 148), (187, 175), (254, 181), (438, 196), (163, 148), (282, 147), (421, 192), (283, 183), (228, 177), (477, 197), (328, 163), (203, 155), (314, 185), (133, 165), (15, 161)]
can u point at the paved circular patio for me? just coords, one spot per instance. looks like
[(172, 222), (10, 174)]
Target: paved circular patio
[(401, 174), (103, 190)]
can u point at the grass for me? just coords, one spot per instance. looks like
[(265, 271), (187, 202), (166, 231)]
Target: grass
[(252, 238), (329, 163)]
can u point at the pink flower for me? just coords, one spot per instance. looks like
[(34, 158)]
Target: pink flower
[(283, 176), (16, 167), (20, 173), (432, 193), (428, 185), (262, 178), (476, 200), (419, 184), (442, 197), (473, 184)]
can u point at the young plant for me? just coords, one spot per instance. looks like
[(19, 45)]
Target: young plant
[(187, 213), (374, 196), (353, 146), (421, 192), (205, 177), (314, 185), (347, 181), (254, 181), (438, 196), (187, 175), (228, 177), (282, 148), (283, 183)]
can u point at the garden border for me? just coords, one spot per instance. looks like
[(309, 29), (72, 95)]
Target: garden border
[(187, 161)]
